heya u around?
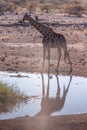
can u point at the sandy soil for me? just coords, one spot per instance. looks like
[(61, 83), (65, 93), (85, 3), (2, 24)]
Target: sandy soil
[(21, 50)]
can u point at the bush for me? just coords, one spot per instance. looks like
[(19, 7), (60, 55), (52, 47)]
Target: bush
[(45, 8), (7, 7), (75, 8)]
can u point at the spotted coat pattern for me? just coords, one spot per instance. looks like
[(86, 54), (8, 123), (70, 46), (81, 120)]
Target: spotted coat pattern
[(50, 39)]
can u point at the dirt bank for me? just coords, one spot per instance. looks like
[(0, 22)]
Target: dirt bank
[(21, 50)]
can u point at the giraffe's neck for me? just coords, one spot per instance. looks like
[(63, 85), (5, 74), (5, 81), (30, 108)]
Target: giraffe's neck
[(44, 30)]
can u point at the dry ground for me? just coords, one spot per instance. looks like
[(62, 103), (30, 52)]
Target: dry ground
[(21, 50)]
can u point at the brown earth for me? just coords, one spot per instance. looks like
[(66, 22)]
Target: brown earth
[(21, 50)]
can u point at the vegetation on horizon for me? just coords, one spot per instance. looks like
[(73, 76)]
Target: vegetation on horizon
[(58, 6)]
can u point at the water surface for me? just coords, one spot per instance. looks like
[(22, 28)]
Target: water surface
[(49, 94)]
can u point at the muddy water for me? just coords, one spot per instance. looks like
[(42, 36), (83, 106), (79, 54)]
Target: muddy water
[(49, 94)]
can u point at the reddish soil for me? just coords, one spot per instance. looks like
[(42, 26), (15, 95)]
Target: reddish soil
[(21, 50)]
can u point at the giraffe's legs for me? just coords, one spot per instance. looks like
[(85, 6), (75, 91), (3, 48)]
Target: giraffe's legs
[(44, 56), (48, 49), (67, 54), (59, 56)]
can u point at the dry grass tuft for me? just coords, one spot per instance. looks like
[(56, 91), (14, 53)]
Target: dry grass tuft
[(10, 97)]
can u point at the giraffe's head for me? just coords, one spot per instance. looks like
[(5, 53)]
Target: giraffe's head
[(26, 17), (36, 18)]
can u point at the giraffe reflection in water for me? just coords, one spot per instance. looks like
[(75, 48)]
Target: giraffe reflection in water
[(50, 105)]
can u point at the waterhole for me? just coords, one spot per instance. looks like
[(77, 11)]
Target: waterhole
[(51, 94)]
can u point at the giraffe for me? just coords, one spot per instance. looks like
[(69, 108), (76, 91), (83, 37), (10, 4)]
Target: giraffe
[(50, 39)]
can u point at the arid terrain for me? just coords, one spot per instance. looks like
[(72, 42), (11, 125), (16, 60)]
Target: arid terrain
[(21, 49)]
